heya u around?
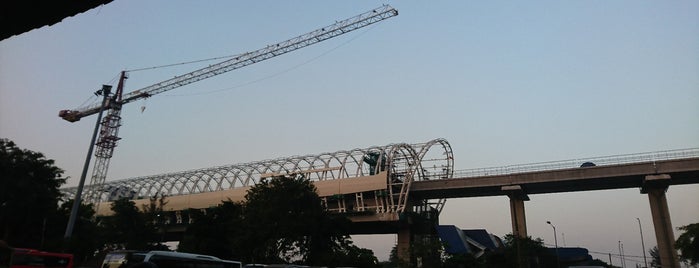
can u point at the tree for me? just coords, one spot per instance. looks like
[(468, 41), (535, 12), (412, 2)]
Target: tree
[(216, 232), (516, 249), (154, 216), (29, 194), (87, 236), (128, 228), (282, 220), (286, 222), (427, 250), (688, 243), (354, 256), (655, 257)]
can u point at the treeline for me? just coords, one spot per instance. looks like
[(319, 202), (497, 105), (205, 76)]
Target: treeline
[(281, 220)]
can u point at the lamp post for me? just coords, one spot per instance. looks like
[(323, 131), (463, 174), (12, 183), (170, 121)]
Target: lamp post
[(555, 240)]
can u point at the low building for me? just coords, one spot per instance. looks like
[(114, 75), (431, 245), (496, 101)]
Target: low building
[(475, 242)]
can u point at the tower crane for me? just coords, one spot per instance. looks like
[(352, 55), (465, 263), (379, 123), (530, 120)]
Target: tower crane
[(112, 104)]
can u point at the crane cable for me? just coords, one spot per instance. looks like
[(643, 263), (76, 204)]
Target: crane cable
[(227, 57), (272, 75), (93, 99), (181, 63)]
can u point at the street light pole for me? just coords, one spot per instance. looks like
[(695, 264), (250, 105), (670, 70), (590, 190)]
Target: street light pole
[(555, 239), (643, 247)]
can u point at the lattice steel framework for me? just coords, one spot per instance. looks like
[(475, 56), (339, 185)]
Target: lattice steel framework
[(111, 123), (404, 163)]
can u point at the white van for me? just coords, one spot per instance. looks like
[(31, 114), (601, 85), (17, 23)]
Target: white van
[(164, 259)]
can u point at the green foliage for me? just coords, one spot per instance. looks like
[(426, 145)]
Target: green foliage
[(526, 250), (281, 221), (427, 250), (87, 235), (354, 256), (153, 215), (688, 243), (128, 228), (214, 232), (28, 196), (286, 219), (655, 257), (30, 215), (460, 261)]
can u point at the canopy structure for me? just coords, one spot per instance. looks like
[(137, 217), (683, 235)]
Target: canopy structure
[(391, 167)]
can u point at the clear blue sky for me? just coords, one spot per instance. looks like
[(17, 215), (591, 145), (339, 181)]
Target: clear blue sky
[(504, 82)]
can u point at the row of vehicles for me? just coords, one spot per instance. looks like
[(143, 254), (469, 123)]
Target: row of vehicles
[(164, 259), (32, 258), (169, 259)]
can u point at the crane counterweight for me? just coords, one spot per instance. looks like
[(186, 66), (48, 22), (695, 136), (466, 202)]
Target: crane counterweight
[(69, 115)]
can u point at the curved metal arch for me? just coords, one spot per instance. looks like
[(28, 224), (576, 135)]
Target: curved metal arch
[(220, 179), (403, 162), (446, 160), (243, 180), (342, 157)]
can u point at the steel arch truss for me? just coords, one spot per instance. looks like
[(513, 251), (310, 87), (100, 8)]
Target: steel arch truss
[(402, 162)]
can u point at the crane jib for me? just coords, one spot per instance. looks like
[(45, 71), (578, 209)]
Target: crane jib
[(110, 124), (270, 51)]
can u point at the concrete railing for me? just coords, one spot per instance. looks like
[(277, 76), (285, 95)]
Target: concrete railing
[(576, 163)]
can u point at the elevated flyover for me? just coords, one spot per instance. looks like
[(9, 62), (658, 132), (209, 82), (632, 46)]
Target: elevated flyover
[(478, 182), (377, 186), (652, 173)]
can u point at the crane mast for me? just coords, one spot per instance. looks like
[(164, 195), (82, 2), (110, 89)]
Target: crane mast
[(109, 125)]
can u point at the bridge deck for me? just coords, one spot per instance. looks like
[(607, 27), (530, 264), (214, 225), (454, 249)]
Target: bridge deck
[(631, 175)]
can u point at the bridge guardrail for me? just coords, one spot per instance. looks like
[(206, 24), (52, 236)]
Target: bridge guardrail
[(576, 163)]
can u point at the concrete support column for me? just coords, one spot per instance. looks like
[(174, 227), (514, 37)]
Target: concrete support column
[(403, 245), (519, 220), (655, 186)]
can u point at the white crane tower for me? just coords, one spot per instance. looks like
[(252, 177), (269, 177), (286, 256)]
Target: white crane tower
[(112, 103)]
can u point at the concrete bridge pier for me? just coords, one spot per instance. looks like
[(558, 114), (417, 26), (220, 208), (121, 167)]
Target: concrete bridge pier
[(403, 244), (417, 239), (519, 220), (656, 186)]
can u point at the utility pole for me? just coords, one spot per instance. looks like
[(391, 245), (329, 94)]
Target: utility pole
[(623, 260), (564, 239), (610, 260), (105, 91), (621, 255), (643, 246)]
